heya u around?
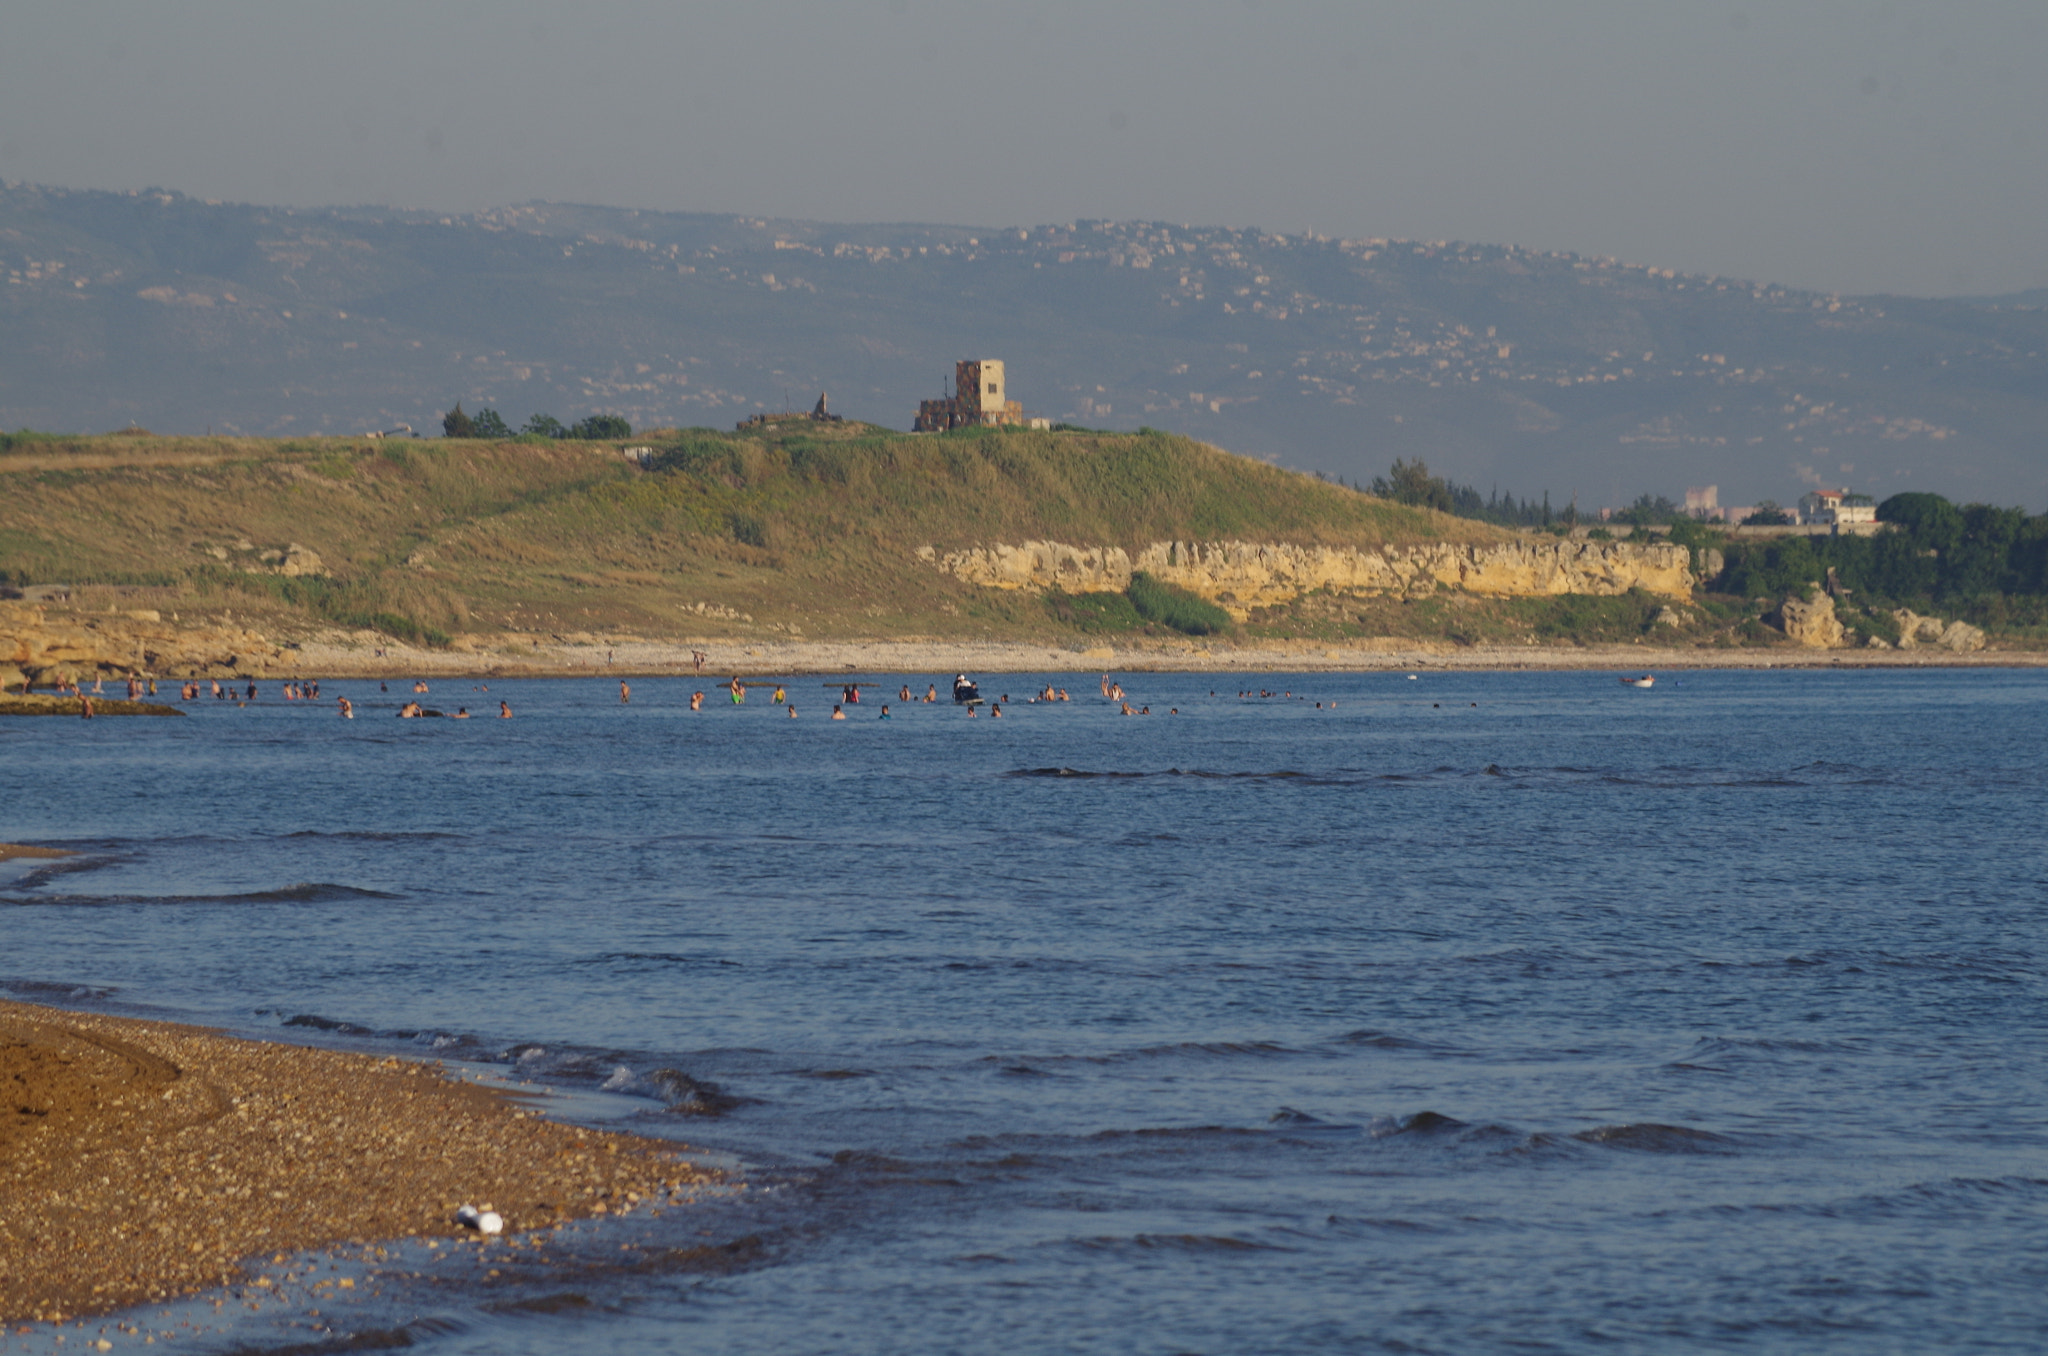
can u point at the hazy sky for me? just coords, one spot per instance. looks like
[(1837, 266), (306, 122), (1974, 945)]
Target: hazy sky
[(1851, 146)]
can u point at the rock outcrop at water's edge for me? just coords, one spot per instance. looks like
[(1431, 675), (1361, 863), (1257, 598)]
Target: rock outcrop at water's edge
[(1239, 575), (33, 647), (1812, 622), (1958, 636)]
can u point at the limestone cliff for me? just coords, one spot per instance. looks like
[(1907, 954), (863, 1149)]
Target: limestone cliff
[(1239, 575), (36, 647)]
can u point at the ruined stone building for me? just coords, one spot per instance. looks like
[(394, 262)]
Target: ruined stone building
[(818, 415), (978, 398)]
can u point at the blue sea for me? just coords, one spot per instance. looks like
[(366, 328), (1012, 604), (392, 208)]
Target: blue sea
[(1464, 1013)]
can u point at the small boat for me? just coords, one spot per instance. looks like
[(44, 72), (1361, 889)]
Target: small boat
[(1647, 680), (965, 690)]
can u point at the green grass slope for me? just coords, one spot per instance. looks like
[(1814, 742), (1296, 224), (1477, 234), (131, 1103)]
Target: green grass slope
[(792, 529)]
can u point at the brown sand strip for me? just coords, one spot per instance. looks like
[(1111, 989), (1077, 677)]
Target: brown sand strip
[(9, 851), (141, 1160)]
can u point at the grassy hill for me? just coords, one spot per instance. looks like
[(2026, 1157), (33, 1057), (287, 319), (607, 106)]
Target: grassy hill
[(793, 529)]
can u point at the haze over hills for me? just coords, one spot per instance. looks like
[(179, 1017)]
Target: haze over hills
[(1530, 371)]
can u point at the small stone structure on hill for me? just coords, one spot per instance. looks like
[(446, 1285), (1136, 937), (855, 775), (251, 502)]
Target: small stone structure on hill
[(978, 399), (818, 415)]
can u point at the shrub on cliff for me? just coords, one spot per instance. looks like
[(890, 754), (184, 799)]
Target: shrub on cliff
[(1094, 613), (1169, 606)]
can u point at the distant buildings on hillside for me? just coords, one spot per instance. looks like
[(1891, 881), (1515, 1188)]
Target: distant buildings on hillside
[(1839, 510)]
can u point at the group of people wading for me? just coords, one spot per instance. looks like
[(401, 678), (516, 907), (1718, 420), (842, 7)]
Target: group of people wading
[(966, 693)]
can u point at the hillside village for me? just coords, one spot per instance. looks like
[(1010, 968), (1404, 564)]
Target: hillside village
[(1590, 378)]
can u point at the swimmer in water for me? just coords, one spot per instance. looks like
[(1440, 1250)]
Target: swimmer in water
[(625, 693), (792, 710), (885, 710), (931, 694), (348, 710), (995, 712), (837, 714), (696, 701), (780, 696), (504, 711), (419, 685), (904, 695), (461, 713)]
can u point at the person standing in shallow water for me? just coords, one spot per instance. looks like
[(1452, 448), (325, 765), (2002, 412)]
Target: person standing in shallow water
[(504, 711), (348, 710), (625, 693)]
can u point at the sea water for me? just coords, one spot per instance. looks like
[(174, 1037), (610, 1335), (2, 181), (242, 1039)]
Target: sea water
[(1462, 1013)]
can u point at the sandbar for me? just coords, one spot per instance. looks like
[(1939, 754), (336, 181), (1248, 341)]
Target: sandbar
[(9, 851), (141, 1160)]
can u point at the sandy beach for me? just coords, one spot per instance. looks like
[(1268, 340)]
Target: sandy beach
[(143, 1160), (580, 655)]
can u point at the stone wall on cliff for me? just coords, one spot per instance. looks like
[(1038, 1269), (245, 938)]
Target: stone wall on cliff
[(1240, 575)]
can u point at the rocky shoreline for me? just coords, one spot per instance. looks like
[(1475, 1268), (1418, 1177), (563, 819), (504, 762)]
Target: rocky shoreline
[(38, 649)]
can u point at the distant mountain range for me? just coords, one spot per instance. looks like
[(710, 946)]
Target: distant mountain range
[(1530, 371)]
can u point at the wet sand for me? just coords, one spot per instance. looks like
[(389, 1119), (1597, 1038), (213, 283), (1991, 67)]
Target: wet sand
[(143, 1160)]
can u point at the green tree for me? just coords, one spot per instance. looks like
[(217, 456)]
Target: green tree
[(1930, 520), (456, 424), (1409, 482), (1768, 514), (1648, 508), (486, 423), (545, 425), (601, 426)]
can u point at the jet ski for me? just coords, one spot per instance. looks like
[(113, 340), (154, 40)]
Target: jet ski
[(965, 691)]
